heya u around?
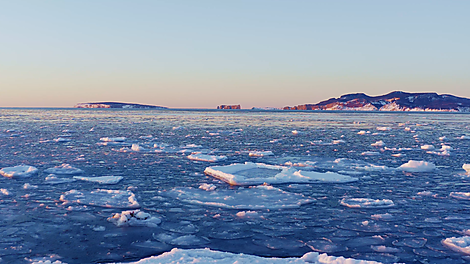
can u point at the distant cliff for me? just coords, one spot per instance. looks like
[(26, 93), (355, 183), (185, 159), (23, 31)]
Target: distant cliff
[(229, 107), (117, 105), (394, 101)]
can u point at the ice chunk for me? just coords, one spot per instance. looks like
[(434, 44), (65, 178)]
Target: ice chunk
[(370, 153), (113, 139), (137, 147), (385, 249), (258, 173), (366, 203), (64, 169), (4, 192), (466, 167), (29, 186), (417, 166), (363, 132), (134, 218), (378, 144), (101, 179), (427, 147), (248, 214), (458, 244), (383, 128), (53, 179), (61, 140), (260, 153), (460, 195), (207, 255), (258, 197), (207, 187), (384, 217), (102, 198), (21, 171), (203, 157)]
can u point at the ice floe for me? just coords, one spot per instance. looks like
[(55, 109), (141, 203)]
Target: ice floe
[(383, 128), (53, 179), (207, 187), (417, 166), (113, 139), (257, 173), (4, 192), (260, 153), (64, 169), (460, 195), (458, 244), (207, 255), (427, 147), (366, 203), (102, 198), (204, 157), (256, 197), (134, 218), (21, 171), (100, 179), (379, 143), (466, 167)]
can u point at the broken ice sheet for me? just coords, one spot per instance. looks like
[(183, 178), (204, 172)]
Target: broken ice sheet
[(102, 198)]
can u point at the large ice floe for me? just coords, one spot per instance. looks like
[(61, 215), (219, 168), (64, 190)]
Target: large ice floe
[(134, 218), (458, 244), (64, 169), (417, 166), (257, 173), (21, 171), (102, 198), (205, 157), (211, 256), (100, 179), (255, 197), (366, 203)]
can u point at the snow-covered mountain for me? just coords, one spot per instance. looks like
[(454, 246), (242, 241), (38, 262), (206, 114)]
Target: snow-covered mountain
[(117, 105), (394, 101)]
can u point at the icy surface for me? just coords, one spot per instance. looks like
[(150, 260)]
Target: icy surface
[(258, 173), (100, 179), (417, 166), (366, 203), (134, 218), (21, 171), (204, 157), (429, 206), (65, 169)]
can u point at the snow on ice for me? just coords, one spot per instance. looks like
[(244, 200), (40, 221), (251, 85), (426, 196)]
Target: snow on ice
[(21, 171), (417, 166), (100, 179), (64, 169), (458, 244)]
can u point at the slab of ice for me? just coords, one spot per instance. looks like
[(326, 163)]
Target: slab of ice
[(460, 195), (259, 173), (458, 244), (113, 139), (62, 140), (21, 171), (466, 167), (137, 147), (379, 143), (102, 198), (370, 153), (417, 166), (134, 218), (427, 147), (366, 203), (211, 256), (256, 197), (363, 132), (260, 153), (53, 179), (383, 128), (101, 179), (208, 158), (64, 169)]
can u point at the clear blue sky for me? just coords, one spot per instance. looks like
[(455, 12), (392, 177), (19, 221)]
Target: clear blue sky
[(200, 54)]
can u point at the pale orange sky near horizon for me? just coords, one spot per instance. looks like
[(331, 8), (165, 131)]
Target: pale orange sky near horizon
[(258, 54)]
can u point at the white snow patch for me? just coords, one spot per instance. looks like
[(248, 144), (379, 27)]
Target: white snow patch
[(208, 158), (134, 218), (65, 169), (366, 203), (101, 179), (252, 198), (21, 171), (417, 166), (258, 173), (102, 198), (211, 256)]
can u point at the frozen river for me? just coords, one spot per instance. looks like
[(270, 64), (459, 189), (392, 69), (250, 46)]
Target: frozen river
[(87, 186)]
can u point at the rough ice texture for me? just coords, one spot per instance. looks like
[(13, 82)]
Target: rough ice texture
[(64, 169), (21, 171), (211, 256), (102, 198), (256, 197), (366, 203), (417, 166), (260, 153), (209, 158), (458, 244), (134, 218), (258, 173), (101, 179)]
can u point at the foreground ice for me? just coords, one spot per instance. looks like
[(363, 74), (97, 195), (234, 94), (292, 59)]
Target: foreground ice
[(101, 179), (458, 244), (21, 171), (417, 166), (134, 218), (204, 157), (256, 197), (366, 203), (102, 198), (211, 256), (64, 169), (259, 173)]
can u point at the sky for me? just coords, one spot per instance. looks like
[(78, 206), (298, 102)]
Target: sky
[(256, 53)]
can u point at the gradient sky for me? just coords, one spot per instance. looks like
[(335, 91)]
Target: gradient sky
[(199, 54)]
